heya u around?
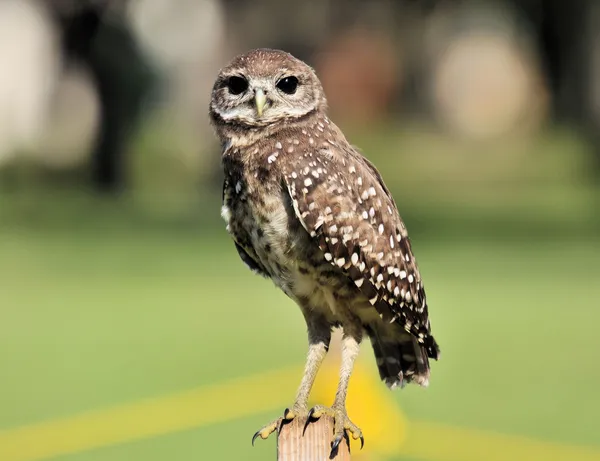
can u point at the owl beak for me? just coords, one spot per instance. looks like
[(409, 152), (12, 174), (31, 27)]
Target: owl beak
[(260, 99)]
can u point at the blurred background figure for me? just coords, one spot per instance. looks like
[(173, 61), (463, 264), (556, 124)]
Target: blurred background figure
[(98, 43), (116, 274), (476, 69)]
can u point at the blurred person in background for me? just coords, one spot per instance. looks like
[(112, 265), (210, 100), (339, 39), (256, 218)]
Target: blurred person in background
[(96, 34)]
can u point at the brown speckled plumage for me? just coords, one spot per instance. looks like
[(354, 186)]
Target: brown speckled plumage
[(308, 211)]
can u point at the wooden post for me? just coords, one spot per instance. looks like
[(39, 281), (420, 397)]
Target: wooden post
[(313, 445)]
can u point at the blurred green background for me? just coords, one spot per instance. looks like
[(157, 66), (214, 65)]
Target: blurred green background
[(119, 283)]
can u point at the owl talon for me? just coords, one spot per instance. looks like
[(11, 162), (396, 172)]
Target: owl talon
[(288, 414), (342, 425), (275, 426), (256, 434), (310, 418), (267, 430), (362, 440), (335, 445)]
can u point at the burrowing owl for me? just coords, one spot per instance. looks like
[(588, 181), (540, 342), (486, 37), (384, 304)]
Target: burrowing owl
[(307, 210)]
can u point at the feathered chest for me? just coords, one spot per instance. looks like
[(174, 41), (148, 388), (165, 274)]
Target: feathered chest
[(271, 240), (257, 215)]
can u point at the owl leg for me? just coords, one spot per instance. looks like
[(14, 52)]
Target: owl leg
[(319, 336), (342, 424)]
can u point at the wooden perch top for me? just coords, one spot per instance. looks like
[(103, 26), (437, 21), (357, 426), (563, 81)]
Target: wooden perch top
[(314, 445)]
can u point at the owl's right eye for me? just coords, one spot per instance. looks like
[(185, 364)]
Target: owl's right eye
[(237, 85)]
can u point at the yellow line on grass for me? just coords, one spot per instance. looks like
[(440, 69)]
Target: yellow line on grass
[(203, 406), (426, 440), (228, 401)]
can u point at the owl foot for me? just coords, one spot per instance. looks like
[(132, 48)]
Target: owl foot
[(342, 425), (288, 416)]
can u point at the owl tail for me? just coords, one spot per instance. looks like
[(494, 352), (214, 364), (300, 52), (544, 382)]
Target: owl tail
[(400, 358)]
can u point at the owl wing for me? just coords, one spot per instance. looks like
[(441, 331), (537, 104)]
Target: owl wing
[(342, 202), (242, 241), (252, 263)]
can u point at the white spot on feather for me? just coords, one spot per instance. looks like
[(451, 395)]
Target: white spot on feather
[(225, 213)]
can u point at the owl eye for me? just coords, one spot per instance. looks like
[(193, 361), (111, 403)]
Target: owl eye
[(288, 84), (237, 85)]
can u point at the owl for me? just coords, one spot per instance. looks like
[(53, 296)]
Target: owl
[(307, 210)]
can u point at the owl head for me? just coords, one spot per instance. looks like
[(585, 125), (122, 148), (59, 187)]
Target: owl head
[(264, 87)]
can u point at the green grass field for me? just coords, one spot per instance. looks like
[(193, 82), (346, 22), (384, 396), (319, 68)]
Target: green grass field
[(101, 314), (107, 303)]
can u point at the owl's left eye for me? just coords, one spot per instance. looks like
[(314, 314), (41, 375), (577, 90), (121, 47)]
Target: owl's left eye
[(288, 84)]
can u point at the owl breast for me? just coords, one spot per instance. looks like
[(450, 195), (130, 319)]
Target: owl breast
[(261, 220), (257, 221)]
